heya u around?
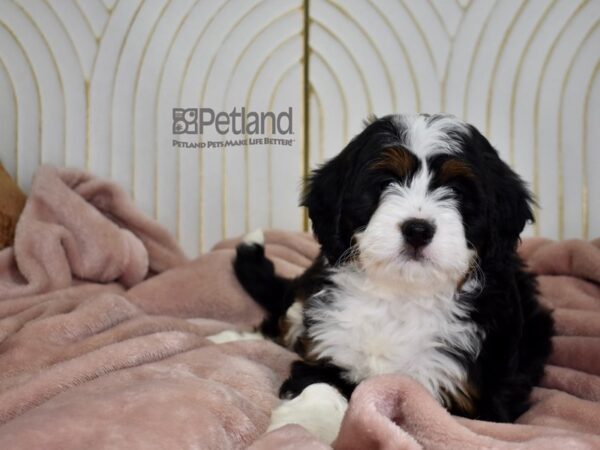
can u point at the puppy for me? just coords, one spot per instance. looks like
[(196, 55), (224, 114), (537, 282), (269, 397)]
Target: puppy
[(418, 221)]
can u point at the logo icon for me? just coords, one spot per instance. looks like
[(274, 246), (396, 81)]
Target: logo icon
[(185, 120)]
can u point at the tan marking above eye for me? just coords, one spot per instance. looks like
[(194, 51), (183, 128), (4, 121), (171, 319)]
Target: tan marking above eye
[(396, 160), (454, 168)]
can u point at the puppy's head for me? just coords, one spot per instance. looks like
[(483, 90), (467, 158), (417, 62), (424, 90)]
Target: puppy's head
[(417, 198)]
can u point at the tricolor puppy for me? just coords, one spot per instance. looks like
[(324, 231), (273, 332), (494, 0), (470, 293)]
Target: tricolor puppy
[(418, 221)]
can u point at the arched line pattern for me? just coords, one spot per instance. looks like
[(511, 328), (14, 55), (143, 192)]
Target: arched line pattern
[(473, 58), (441, 20), (444, 93), (411, 69), (517, 78), (126, 36), (377, 51), (70, 109), (57, 71), (250, 42), (461, 5), (247, 104), (14, 91), (135, 94), (101, 10), (355, 62), (42, 82), (507, 34), (305, 149), (201, 101), (35, 81), (89, 83), (160, 81), (13, 96), (60, 16), (342, 94), (87, 22), (400, 42), (584, 154), (317, 97), (560, 150), (536, 113), (110, 4), (272, 97), (72, 79), (200, 154)]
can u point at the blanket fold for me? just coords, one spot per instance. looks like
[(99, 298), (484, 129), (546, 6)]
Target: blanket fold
[(106, 341)]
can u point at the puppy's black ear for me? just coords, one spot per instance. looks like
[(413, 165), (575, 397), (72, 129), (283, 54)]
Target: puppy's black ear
[(509, 201), (323, 196)]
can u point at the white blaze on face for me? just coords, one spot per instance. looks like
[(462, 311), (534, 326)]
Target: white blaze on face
[(382, 249)]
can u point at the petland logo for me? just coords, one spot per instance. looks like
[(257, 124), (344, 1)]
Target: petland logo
[(253, 126)]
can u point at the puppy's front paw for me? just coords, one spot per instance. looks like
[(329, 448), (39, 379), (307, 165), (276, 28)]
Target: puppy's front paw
[(319, 408)]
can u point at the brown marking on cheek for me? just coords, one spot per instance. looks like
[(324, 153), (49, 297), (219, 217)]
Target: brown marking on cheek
[(453, 168), (462, 401), (395, 160)]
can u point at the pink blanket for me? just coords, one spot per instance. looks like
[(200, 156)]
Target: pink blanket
[(103, 327)]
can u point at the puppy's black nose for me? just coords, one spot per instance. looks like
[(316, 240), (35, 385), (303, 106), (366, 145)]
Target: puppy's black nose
[(417, 232)]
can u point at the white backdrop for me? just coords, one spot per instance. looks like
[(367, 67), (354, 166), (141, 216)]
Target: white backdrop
[(92, 84)]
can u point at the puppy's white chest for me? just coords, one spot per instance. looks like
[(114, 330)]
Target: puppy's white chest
[(370, 335)]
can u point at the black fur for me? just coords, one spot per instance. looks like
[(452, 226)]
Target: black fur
[(257, 274), (304, 374), (495, 206)]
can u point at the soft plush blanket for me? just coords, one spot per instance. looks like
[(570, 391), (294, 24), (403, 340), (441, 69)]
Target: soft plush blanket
[(104, 328)]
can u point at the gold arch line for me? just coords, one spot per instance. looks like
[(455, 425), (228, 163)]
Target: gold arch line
[(87, 22), (437, 13), (490, 98), (249, 93), (536, 111), (69, 37), (342, 93), (200, 154), (80, 63), (517, 79), (314, 93), (16, 125), (473, 58), (247, 104), (386, 71), (411, 69), (135, 95), (37, 89), (559, 152), (182, 20), (417, 25), (361, 75), (88, 125), (274, 93), (584, 155), (201, 99), (114, 78), (56, 71), (450, 56)]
